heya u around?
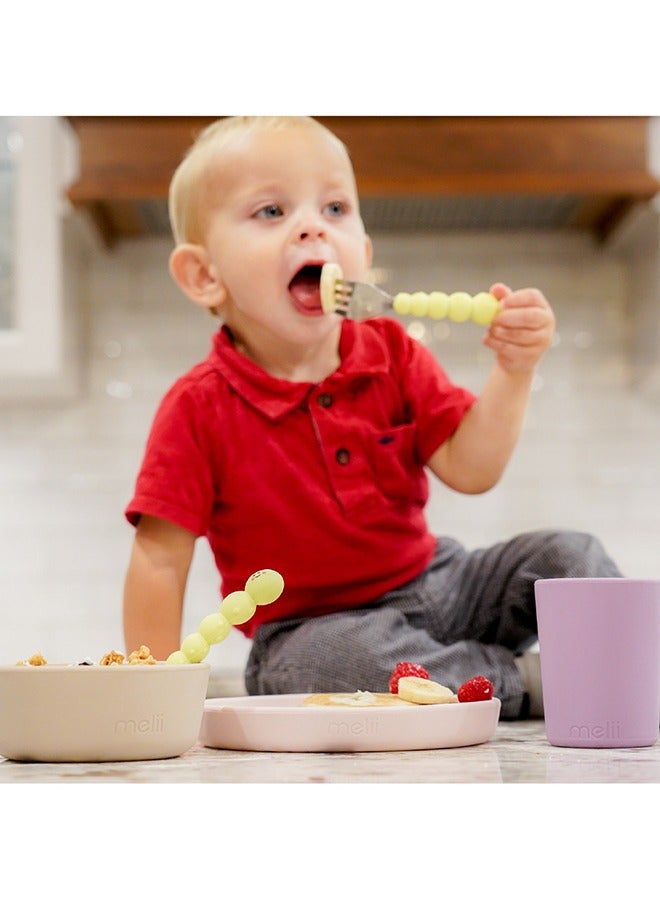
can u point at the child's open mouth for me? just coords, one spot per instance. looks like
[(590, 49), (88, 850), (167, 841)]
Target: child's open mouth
[(305, 291)]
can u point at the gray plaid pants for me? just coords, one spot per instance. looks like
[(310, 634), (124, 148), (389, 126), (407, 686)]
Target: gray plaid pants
[(469, 613)]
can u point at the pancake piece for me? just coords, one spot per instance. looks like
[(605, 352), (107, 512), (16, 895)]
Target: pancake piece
[(364, 699)]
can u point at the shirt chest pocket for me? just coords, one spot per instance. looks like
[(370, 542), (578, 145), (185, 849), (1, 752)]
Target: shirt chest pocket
[(398, 470)]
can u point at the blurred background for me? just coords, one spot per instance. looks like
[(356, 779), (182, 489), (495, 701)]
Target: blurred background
[(93, 331)]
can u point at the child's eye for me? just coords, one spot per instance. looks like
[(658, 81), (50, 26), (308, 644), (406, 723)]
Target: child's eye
[(336, 208), (272, 211)]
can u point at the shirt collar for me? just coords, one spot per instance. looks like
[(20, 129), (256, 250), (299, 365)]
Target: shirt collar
[(362, 351)]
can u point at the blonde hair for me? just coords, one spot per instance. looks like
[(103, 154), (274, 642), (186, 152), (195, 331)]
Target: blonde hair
[(188, 186)]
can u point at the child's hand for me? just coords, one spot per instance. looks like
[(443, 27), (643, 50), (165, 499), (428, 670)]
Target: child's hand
[(522, 331)]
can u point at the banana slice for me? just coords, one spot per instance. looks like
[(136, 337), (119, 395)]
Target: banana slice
[(423, 690), (331, 273)]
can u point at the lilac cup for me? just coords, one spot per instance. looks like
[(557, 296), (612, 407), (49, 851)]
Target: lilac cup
[(599, 644)]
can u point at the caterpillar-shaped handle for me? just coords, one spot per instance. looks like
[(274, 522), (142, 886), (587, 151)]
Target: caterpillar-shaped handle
[(458, 307), (261, 588)]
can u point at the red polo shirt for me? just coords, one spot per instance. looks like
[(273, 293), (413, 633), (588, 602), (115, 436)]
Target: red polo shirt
[(323, 482)]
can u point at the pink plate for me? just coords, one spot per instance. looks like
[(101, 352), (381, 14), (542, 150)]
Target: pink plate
[(280, 723)]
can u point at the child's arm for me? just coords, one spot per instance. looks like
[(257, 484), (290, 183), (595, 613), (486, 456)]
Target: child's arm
[(155, 586), (475, 456)]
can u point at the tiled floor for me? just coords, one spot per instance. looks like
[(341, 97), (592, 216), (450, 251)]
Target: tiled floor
[(519, 753)]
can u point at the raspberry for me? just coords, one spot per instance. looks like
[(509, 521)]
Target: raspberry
[(477, 688), (404, 670)]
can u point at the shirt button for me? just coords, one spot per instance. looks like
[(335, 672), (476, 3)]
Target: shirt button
[(342, 456), (325, 400)]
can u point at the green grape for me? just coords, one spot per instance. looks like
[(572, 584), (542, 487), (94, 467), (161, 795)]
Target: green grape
[(214, 628), (264, 586), (238, 607), (194, 647)]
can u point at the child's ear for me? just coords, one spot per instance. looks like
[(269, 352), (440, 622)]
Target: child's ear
[(196, 276), (369, 250)]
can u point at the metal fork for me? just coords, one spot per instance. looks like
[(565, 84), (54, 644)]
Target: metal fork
[(359, 300)]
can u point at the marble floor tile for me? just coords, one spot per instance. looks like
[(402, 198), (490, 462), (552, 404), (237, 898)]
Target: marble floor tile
[(518, 753)]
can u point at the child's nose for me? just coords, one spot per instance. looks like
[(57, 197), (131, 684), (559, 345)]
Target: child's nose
[(310, 226)]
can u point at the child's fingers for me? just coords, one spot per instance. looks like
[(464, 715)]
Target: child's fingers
[(524, 309), (523, 318), (526, 297), (500, 290), (517, 357), (522, 330)]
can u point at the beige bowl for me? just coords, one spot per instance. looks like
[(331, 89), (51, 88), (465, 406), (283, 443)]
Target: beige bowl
[(61, 713)]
